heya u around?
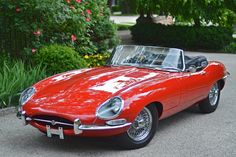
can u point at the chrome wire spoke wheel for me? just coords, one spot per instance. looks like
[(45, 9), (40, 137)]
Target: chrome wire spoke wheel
[(214, 94), (142, 126)]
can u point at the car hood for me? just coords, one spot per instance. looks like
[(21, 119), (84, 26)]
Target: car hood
[(86, 89)]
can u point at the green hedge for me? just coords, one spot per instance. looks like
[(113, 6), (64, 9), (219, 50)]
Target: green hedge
[(211, 38), (231, 48)]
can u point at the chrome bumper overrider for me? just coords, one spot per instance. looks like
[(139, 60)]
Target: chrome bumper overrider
[(226, 76), (78, 127)]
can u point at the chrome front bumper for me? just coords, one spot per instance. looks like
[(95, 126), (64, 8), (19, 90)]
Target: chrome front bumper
[(77, 126)]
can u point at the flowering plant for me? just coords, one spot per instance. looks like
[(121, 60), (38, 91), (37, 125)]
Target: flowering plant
[(31, 24), (96, 60)]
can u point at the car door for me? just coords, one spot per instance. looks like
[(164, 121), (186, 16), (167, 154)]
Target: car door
[(194, 87)]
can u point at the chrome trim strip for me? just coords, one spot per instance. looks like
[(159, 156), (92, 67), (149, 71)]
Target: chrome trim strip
[(183, 60), (104, 127)]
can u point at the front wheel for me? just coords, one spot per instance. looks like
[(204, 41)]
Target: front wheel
[(142, 129), (210, 104)]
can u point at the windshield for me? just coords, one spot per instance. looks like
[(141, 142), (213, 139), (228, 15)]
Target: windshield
[(147, 57)]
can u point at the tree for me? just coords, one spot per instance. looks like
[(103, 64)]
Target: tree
[(128, 6), (220, 12), (203, 11)]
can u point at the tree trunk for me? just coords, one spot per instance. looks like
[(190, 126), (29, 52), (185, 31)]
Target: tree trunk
[(150, 18), (141, 18), (197, 22), (109, 3)]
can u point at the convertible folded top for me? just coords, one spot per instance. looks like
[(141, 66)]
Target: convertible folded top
[(199, 62)]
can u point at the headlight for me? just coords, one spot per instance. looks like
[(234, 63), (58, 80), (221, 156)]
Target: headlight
[(26, 95), (110, 109)]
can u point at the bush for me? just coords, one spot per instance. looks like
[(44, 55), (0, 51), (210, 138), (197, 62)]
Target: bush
[(212, 38), (15, 76), (103, 35), (96, 60), (30, 24), (115, 8), (59, 58), (231, 48)]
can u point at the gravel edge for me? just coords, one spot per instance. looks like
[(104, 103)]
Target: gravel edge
[(7, 111)]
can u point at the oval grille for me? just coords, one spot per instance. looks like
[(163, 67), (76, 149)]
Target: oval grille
[(53, 121)]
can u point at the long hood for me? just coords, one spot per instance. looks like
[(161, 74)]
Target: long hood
[(88, 88)]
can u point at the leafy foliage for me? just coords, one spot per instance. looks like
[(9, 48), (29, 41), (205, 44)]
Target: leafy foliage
[(202, 11), (59, 58), (231, 48), (213, 38), (128, 7), (15, 76), (220, 12), (97, 59), (30, 24)]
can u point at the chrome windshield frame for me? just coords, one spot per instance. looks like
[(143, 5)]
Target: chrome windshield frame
[(108, 63)]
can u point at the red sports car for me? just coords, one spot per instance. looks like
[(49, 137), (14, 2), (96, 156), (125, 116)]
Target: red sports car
[(126, 98)]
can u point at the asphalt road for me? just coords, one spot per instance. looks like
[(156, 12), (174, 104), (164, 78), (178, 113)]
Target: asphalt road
[(188, 133)]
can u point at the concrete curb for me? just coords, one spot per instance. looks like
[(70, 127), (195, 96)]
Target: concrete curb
[(7, 111)]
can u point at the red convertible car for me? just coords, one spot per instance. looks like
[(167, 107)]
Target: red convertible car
[(126, 98)]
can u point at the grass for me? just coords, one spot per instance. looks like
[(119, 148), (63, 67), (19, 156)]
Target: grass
[(15, 76), (119, 13), (124, 26)]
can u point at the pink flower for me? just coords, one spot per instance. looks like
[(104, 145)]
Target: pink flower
[(88, 19), (37, 32), (33, 50), (88, 11), (73, 38), (78, 1), (68, 1), (18, 9)]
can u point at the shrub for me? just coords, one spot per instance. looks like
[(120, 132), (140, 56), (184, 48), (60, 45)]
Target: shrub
[(231, 48), (30, 24), (15, 76), (212, 38), (59, 58), (96, 60), (115, 8), (103, 35)]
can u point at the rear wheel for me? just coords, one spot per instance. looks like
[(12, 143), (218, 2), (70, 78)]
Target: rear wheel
[(210, 104), (142, 129)]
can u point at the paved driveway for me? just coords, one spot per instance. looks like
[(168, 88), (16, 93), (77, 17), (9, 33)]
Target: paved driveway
[(186, 134)]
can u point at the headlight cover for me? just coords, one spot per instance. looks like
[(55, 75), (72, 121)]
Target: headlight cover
[(26, 95), (110, 109)]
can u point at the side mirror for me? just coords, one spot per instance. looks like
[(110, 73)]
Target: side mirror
[(192, 69)]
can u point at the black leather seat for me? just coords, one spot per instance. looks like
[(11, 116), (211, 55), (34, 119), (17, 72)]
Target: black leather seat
[(199, 62)]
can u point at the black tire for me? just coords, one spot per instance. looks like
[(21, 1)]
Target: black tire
[(206, 105), (126, 142)]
